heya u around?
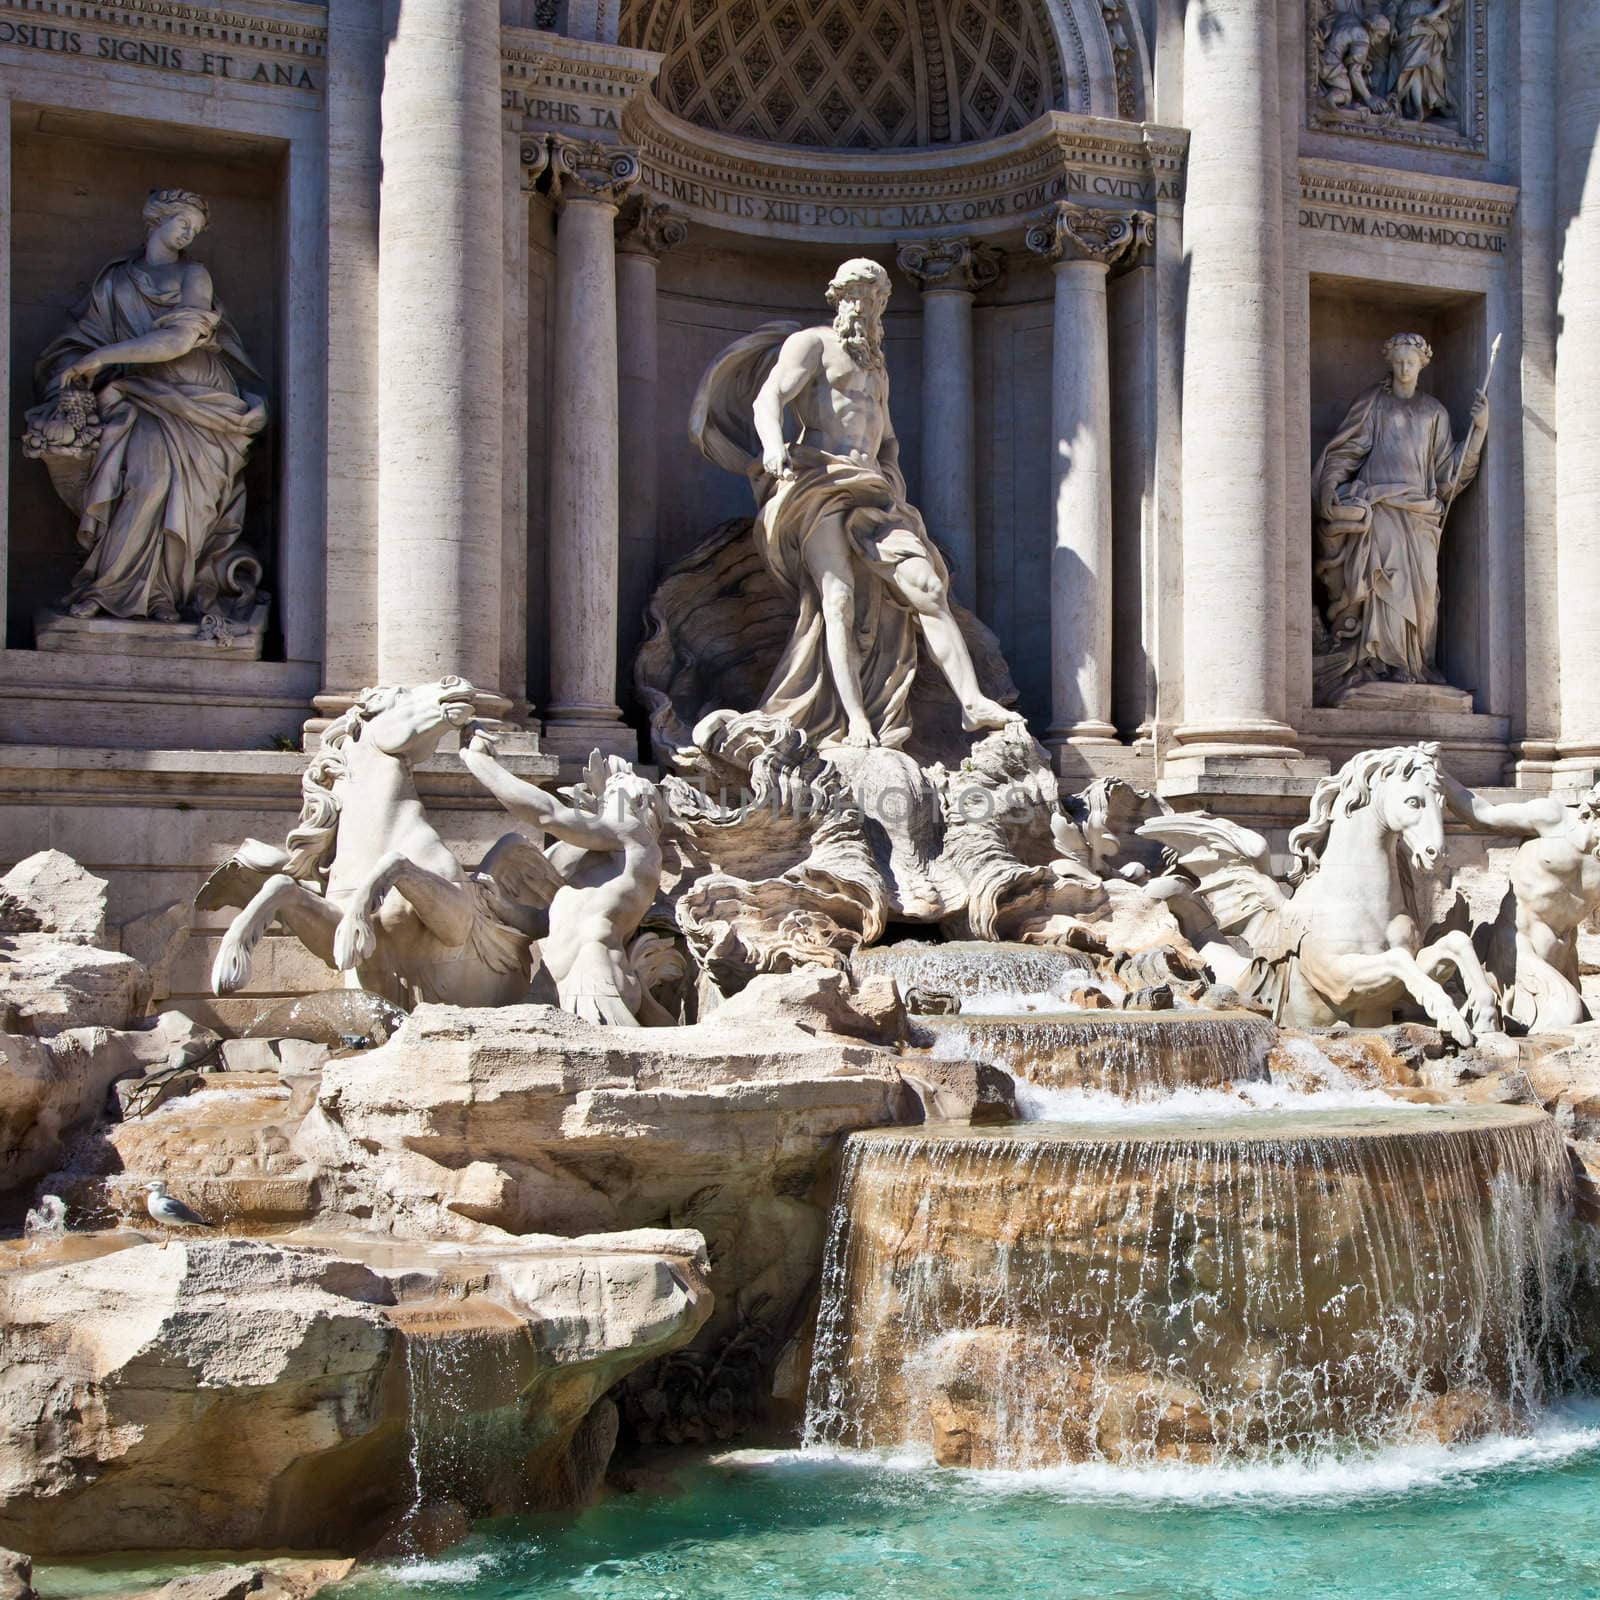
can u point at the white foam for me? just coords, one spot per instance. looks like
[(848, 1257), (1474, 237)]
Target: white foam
[(440, 1569), (1035, 1103), (1044, 1002), (1327, 1479)]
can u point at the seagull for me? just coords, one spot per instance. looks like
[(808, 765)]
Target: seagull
[(174, 1213)]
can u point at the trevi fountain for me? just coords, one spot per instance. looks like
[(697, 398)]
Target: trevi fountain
[(800, 798)]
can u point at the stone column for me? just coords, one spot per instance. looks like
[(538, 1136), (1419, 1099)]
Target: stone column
[(525, 159), (1233, 393), (355, 170), (589, 179), (1578, 382), (440, 298), (6, 425), (1082, 242), (950, 272), (645, 229)]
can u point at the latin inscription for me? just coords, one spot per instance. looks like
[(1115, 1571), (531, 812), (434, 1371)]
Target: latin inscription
[(1392, 229), (563, 112), (910, 214), (163, 57)]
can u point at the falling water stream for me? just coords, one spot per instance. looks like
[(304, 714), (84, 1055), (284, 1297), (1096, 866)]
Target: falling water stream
[(1267, 1284)]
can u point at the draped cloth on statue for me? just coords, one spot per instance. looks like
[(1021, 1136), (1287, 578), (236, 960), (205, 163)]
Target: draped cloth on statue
[(162, 510), (1382, 488), (881, 528)]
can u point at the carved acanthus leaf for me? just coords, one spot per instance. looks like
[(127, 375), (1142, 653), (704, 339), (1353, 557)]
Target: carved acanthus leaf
[(1069, 232), (645, 226), (591, 169), (960, 263)]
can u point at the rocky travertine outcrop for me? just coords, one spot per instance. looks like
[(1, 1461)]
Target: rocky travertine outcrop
[(49, 1087), (61, 965), (231, 1393), (529, 1120)]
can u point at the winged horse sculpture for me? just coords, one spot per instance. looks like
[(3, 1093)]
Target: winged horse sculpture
[(365, 882), (1346, 932)]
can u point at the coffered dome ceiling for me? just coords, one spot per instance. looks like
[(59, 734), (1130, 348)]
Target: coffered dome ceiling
[(859, 74)]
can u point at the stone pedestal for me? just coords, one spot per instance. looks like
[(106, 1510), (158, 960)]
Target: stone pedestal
[(1082, 242), (1234, 511), (240, 640), (440, 288), (589, 180), (950, 273)]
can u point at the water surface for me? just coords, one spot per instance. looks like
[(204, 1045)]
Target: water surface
[(1506, 1519)]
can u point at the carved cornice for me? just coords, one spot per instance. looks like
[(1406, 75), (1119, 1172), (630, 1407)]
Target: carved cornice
[(580, 86), (591, 169), (877, 197), (177, 22), (1381, 202), (1069, 232), (962, 263), (646, 227)]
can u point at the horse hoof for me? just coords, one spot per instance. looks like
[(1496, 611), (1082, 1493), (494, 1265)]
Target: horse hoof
[(352, 944), (229, 970)]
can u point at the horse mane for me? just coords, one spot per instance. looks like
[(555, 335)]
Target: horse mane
[(311, 840), (1347, 791)]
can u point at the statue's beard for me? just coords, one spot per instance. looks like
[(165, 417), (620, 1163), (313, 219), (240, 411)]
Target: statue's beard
[(860, 331)]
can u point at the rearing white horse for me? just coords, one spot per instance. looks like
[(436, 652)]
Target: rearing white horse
[(366, 883), (1349, 928)]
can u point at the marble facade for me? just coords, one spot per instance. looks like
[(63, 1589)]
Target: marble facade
[(481, 251)]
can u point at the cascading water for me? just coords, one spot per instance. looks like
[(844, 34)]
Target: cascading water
[(967, 968), (1135, 1055), (466, 1433), (1264, 1285)]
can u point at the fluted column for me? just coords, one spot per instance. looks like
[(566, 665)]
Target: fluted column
[(1578, 380), (950, 273), (645, 230), (440, 290), (1233, 388), (589, 181), (1082, 242)]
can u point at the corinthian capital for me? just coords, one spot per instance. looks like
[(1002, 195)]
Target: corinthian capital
[(951, 264), (646, 227), (1068, 232), (590, 169)]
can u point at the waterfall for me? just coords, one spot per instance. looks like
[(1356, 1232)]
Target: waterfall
[(1266, 1284), (466, 1433), (1136, 1056), (967, 967)]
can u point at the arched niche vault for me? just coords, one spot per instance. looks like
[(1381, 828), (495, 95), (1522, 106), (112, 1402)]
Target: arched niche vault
[(888, 74)]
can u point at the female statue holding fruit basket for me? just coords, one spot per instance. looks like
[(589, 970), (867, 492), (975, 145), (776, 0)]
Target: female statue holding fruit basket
[(149, 409)]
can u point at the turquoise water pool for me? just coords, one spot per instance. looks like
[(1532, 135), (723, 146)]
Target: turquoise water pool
[(1502, 1520)]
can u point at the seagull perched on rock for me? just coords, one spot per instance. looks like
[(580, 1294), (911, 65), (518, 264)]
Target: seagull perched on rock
[(165, 1209)]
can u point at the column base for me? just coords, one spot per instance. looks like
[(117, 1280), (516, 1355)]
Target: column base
[(573, 732), (1088, 732), (1246, 737)]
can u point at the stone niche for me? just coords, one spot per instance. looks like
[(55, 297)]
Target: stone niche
[(79, 182), (1350, 319)]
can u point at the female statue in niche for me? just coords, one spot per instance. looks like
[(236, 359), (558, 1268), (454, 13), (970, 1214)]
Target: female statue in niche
[(150, 406), (1382, 489)]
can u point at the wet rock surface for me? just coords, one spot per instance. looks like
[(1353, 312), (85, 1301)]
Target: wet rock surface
[(240, 1394)]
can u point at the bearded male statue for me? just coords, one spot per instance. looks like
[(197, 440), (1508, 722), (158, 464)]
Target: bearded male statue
[(833, 523)]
